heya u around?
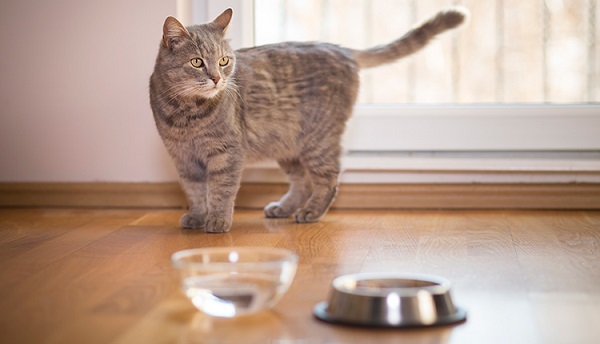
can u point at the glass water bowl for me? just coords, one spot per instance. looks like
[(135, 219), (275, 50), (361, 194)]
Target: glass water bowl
[(233, 281)]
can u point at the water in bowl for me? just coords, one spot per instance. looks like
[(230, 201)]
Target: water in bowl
[(229, 295)]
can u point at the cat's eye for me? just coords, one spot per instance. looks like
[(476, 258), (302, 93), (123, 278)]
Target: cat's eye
[(197, 62), (224, 61)]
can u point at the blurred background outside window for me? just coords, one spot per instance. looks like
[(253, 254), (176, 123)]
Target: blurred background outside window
[(512, 51)]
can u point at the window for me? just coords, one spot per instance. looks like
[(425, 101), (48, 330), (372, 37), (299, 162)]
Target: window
[(521, 77)]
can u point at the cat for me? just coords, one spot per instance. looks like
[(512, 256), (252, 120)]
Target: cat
[(216, 108)]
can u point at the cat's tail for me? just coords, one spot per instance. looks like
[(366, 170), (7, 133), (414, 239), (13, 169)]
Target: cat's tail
[(412, 41)]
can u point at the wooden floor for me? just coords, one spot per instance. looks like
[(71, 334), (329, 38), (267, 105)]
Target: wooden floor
[(97, 276)]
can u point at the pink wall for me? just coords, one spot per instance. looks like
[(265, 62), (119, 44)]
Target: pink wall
[(74, 91)]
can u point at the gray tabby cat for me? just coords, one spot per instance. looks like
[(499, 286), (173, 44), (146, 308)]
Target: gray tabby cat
[(216, 108)]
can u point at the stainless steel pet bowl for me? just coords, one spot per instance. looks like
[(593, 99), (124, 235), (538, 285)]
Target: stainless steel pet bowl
[(390, 300)]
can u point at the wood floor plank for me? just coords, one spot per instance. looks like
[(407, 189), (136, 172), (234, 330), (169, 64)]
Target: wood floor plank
[(557, 252), (76, 283), (472, 250), (565, 312), (59, 234)]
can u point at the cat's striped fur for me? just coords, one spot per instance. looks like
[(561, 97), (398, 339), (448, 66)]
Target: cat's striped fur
[(288, 102)]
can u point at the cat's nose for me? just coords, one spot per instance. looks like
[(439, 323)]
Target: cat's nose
[(215, 79)]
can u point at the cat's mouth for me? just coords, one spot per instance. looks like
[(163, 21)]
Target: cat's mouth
[(206, 89), (210, 92)]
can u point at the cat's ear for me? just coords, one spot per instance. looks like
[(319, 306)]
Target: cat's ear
[(222, 21), (173, 32)]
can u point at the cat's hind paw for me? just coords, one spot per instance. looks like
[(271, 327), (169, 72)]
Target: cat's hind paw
[(192, 221), (274, 211), (307, 216)]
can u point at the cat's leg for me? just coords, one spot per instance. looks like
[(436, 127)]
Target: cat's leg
[(299, 191), (196, 193), (193, 179), (323, 166), (224, 175)]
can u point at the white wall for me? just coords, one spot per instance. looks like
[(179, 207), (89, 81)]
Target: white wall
[(74, 91)]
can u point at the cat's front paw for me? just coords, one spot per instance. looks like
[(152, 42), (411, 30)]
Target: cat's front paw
[(275, 210), (192, 221), (217, 225), (307, 216)]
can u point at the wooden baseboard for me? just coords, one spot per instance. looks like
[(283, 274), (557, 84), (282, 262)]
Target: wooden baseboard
[(92, 195), (350, 196)]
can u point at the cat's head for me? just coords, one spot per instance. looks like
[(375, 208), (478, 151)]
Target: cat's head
[(198, 60)]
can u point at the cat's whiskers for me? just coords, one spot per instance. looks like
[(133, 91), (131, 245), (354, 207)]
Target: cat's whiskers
[(231, 90), (181, 90), (172, 91), (177, 92)]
